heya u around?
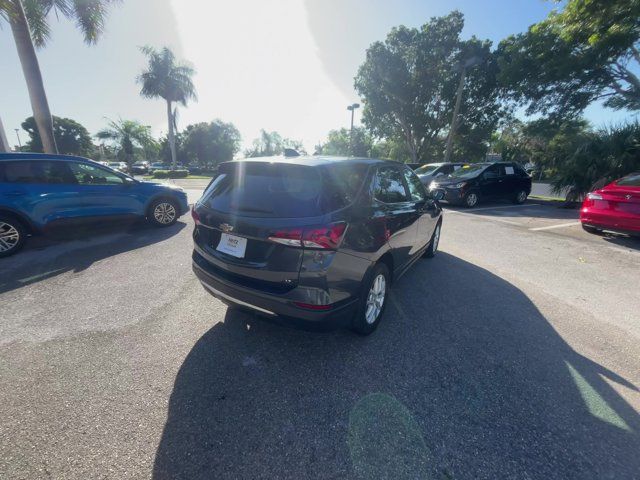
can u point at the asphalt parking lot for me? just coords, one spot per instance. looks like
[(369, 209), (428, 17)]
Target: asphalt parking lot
[(514, 353)]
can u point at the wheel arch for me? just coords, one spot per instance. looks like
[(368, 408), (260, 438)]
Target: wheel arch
[(23, 219)]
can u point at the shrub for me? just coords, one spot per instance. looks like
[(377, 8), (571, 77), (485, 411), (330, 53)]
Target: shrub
[(170, 173), (609, 154)]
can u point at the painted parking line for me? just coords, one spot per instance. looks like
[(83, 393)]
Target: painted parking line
[(498, 208), (551, 227), (482, 217)]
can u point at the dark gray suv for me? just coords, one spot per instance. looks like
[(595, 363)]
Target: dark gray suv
[(316, 240)]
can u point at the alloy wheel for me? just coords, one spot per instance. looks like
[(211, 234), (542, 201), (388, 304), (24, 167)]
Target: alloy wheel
[(9, 237), (522, 196), (375, 299), (164, 213), (472, 200)]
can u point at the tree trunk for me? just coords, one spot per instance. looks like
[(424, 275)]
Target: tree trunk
[(4, 143), (33, 77), (172, 138)]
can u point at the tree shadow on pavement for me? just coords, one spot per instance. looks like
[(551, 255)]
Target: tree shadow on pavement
[(464, 379), (76, 249)]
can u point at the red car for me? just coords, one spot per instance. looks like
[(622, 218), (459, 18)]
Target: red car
[(615, 207)]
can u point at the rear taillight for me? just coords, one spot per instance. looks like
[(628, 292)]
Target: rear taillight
[(194, 215), (320, 237), (291, 237)]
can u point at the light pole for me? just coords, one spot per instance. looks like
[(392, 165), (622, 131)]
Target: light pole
[(471, 62), (18, 135), (352, 108)]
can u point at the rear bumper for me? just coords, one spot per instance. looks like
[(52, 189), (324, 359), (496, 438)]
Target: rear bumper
[(275, 306), (628, 224)]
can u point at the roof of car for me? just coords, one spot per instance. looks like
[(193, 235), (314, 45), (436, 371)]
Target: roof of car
[(315, 160), (42, 156)]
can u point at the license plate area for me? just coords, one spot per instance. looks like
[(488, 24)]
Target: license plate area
[(232, 245)]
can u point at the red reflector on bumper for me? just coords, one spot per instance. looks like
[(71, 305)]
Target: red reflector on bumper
[(310, 306)]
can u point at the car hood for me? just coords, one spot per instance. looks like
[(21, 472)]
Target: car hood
[(162, 185)]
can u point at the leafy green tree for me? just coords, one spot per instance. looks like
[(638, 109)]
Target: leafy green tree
[(272, 143), (170, 80), (214, 142), (589, 51), (128, 136), (546, 142), (409, 83), (339, 142), (29, 21), (70, 136)]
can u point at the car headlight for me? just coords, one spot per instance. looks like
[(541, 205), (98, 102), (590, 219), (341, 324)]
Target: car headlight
[(594, 196), (460, 185), (433, 186)]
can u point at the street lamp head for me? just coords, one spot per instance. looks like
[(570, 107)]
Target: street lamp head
[(353, 106)]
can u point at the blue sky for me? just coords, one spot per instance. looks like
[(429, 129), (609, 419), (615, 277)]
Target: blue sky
[(284, 65)]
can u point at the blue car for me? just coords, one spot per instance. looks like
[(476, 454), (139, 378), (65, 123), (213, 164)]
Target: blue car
[(42, 191)]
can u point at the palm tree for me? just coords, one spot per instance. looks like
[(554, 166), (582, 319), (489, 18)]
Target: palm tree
[(168, 79), (30, 26), (127, 135)]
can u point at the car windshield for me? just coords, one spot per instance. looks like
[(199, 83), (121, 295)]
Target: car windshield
[(632, 180), (426, 169), (468, 171)]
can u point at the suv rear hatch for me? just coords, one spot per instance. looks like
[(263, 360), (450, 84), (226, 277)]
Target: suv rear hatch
[(256, 219)]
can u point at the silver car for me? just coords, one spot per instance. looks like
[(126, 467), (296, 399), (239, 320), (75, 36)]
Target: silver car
[(427, 173)]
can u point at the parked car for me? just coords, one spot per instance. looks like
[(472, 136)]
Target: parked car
[(476, 182), (615, 207), (426, 173), (139, 168), (316, 240), (414, 166), (158, 166), (40, 191), (119, 166)]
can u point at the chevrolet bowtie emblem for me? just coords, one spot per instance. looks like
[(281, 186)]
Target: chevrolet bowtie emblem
[(225, 227), (628, 197)]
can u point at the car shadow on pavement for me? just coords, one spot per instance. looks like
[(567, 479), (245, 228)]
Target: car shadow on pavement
[(76, 249), (465, 378)]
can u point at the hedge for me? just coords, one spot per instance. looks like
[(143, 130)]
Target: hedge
[(170, 173)]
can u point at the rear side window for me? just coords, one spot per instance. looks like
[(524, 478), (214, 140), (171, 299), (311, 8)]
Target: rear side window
[(632, 180), (390, 186), (36, 172), (283, 191)]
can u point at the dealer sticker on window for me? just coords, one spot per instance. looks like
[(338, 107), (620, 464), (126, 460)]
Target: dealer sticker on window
[(232, 245)]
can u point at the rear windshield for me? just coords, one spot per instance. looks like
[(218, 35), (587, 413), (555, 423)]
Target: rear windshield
[(632, 180), (283, 191)]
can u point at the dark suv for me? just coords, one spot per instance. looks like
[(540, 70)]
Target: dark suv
[(475, 182), (316, 239)]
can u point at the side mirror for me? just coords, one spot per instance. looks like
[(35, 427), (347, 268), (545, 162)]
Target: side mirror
[(438, 195)]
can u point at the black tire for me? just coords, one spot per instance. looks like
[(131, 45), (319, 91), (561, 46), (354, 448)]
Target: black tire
[(163, 212), (520, 197), (360, 324), (471, 199), (433, 243), (590, 229), (13, 234)]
